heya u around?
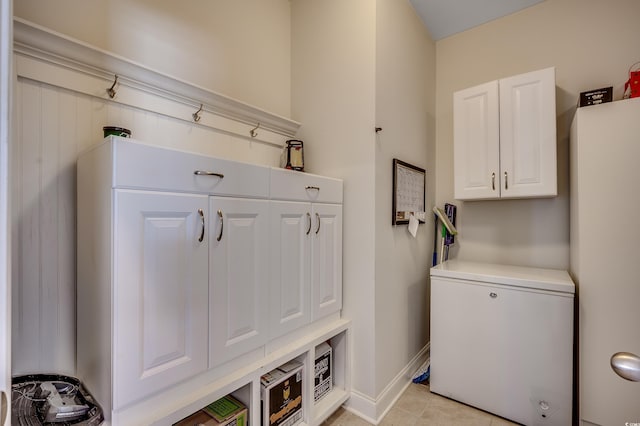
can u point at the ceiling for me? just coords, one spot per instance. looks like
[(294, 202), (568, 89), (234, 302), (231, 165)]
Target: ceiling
[(447, 17)]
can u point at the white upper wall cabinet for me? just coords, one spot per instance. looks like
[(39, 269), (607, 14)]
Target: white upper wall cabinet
[(504, 136)]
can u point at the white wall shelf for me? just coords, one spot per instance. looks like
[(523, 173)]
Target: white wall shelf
[(48, 56), (247, 388)]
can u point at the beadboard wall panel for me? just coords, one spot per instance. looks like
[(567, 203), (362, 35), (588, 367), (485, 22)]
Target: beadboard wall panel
[(52, 126)]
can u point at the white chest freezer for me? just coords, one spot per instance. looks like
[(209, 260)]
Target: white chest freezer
[(502, 340)]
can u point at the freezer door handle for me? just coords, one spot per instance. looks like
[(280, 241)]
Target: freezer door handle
[(626, 365)]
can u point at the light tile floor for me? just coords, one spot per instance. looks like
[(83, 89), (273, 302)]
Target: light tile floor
[(419, 407)]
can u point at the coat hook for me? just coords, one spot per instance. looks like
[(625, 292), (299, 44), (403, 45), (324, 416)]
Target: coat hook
[(253, 132), (196, 115), (378, 129), (111, 90)]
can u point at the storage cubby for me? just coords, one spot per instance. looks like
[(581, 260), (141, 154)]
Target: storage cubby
[(242, 395), (325, 406), (244, 383), (284, 393)]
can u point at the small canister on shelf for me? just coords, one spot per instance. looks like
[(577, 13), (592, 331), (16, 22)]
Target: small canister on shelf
[(116, 131)]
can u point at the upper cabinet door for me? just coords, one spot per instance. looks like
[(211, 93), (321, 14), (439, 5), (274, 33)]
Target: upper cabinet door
[(238, 278), (528, 135), (160, 291), (476, 137)]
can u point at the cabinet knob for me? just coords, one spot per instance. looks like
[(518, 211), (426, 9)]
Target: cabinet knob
[(493, 295)]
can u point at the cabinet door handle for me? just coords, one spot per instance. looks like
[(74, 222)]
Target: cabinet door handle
[(506, 181), (309, 222), (493, 181), (493, 295), (318, 219), (317, 188), (201, 213), (219, 237), (207, 173)]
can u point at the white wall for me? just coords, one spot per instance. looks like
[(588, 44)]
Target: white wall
[(342, 75), (333, 86), (405, 109), (357, 65), (592, 45), (237, 48)]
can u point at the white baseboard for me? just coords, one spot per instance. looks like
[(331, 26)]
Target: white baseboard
[(374, 409), (362, 406)]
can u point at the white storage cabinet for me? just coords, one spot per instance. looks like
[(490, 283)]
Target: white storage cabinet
[(173, 280), (306, 249), (502, 340), (142, 276), (145, 286), (505, 138)]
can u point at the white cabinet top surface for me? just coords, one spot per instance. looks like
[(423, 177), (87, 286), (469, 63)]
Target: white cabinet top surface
[(139, 165), (516, 276), (300, 186)]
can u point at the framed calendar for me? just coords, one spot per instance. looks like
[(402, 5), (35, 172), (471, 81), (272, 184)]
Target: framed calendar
[(408, 191)]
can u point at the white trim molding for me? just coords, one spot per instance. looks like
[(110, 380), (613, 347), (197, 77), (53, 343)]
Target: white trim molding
[(47, 56), (374, 410)]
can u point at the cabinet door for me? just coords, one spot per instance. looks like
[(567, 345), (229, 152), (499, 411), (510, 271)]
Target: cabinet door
[(159, 293), (290, 248), (505, 351), (528, 135), (476, 142), (238, 260), (326, 261)]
